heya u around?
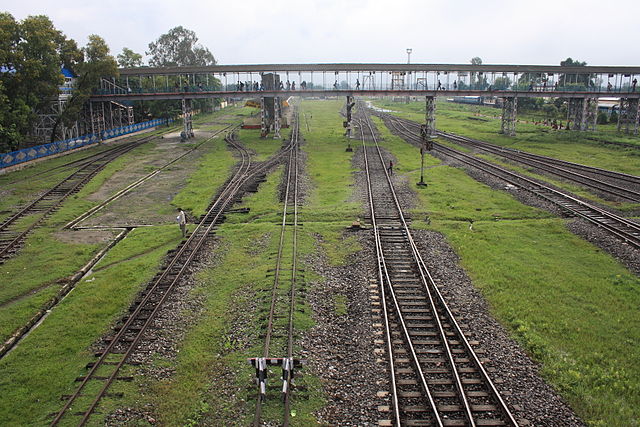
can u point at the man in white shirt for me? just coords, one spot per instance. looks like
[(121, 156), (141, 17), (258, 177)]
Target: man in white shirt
[(182, 222)]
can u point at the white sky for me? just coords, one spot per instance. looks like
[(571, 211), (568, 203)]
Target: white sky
[(286, 31)]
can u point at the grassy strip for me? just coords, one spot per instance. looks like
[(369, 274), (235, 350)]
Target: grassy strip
[(262, 147), (442, 199), (572, 306), (41, 369), (213, 170), (328, 165)]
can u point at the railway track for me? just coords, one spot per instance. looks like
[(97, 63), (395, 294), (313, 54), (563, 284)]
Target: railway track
[(626, 230), (15, 228), (105, 370), (279, 339), (611, 184), (435, 377), (85, 215)]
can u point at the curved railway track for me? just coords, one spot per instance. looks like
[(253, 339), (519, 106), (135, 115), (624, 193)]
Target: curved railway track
[(611, 184), (13, 233), (436, 378), (279, 339), (105, 370), (623, 228)]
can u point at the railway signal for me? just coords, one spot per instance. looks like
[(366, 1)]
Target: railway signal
[(426, 145)]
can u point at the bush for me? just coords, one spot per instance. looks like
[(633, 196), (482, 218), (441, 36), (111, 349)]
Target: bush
[(602, 118)]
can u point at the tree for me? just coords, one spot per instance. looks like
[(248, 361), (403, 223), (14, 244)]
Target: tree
[(602, 118), (550, 110), (31, 55), (179, 47), (97, 63), (476, 60), (501, 83), (578, 81), (129, 59)]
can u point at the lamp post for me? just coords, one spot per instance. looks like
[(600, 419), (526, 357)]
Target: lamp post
[(409, 50)]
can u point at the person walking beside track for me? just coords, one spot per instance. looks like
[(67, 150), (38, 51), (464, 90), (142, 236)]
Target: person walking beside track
[(182, 222)]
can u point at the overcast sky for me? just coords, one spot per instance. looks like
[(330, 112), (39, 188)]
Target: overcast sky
[(286, 31)]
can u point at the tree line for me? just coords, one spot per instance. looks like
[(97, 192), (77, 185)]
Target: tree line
[(33, 52)]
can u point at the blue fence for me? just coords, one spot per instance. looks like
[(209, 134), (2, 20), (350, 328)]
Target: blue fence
[(27, 154)]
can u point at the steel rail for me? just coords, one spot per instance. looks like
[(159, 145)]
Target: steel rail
[(634, 179), (197, 238), (292, 178), (429, 285), (383, 277), (621, 227), (294, 266), (387, 279), (554, 166), (58, 194)]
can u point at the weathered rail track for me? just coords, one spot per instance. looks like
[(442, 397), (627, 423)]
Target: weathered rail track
[(279, 339), (12, 230), (105, 370), (435, 377), (85, 215), (610, 184), (626, 230)]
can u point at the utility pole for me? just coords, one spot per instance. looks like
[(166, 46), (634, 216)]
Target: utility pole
[(409, 50)]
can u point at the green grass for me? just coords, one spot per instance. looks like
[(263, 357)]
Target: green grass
[(328, 165), (42, 369), (573, 308), (213, 170), (262, 147)]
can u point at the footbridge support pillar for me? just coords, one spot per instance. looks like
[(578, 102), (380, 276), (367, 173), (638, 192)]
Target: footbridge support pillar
[(509, 113), (187, 119), (97, 113), (629, 115), (277, 112), (264, 121), (430, 117), (582, 114)]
